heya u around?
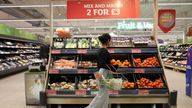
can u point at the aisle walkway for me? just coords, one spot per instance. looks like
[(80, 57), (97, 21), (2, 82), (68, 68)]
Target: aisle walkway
[(176, 81), (13, 96), (12, 92)]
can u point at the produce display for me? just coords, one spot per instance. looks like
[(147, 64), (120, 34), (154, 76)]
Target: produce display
[(124, 63), (62, 86), (127, 84), (63, 32), (84, 43), (64, 64), (16, 55), (147, 83), (71, 43), (90, 84), (148, 62), (58, 43), (143, 42), (175, 56), (87, 64), (121, 42), (140, 73), (95, 43)]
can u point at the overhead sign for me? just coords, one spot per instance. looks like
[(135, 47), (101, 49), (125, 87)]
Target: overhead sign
[(131, 25), (101, 9), (166, 19)]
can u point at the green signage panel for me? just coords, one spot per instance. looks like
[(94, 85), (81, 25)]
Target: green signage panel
[(12, 32)]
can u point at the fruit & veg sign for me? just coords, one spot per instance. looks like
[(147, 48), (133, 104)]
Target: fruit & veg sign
[(166, 19), (101, 9)]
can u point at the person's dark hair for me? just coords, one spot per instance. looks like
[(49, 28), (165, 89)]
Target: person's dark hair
[(104, 38)]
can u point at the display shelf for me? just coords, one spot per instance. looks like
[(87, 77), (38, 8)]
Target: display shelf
[(175, 67), (17, 47), (111, 92), (12, 70), (146, 68), (91, 71), (19, 53), (15, 54), (112, 50)]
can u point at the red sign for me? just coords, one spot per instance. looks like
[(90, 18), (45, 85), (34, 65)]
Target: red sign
[(166, 20), (56, 51), (139, 71), (81, 51), (82, 71), (136, 50), (80, 92), (92, 9), (143, 91)]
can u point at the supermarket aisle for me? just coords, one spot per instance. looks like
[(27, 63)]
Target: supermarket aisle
[(13, 95), (176, 81), (12, 92)]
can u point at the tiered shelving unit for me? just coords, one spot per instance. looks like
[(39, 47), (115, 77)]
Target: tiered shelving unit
[(175, 56), (123, 96), (16, 56)]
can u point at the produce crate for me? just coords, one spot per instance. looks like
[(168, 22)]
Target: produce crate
[(121, 58), (130, 78), (83, 43), (57, 62), (144, 57), (87, 61), (85, 85), (58, 43), (152, 90), (63, 78), (71, 43)]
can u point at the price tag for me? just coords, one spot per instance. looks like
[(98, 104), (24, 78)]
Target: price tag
[(136, 50), (82, 71), (139, 71), (80, 92), (81, 51), (56, 51), (111, 51), (143, 91), (54, 71), (114, 92), (51, 92)]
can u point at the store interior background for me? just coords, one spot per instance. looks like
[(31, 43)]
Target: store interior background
[(35, 19)]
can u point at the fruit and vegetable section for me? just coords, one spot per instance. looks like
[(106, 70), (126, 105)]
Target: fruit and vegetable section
[(175, 56), (74, 62), (16, 55)]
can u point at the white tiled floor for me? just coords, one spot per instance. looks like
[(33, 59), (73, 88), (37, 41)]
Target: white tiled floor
[(13, 96)]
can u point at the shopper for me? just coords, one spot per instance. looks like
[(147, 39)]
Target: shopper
[(101, 100)]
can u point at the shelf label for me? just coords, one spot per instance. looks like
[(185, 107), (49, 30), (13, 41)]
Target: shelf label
[(81, 51), (56, 51), (80, 92), (82, 71), (139, 71), (114, 92), (136, 50), (143, 91), (54, 71), (51, 92), (111, 51)]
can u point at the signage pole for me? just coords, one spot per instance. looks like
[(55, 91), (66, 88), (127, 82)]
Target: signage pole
[(51, 42), (155, 13)]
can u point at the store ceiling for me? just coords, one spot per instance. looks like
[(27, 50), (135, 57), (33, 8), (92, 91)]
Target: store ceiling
[(81, 27)]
